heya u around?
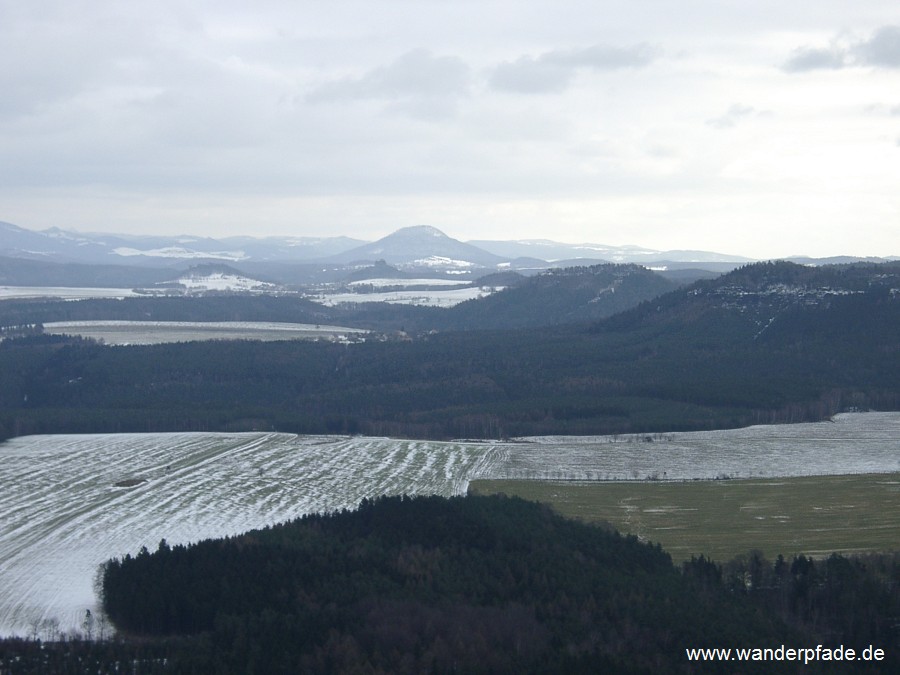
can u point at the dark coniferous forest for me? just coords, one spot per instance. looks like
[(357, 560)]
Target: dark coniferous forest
[(773, 342), (470, 585)]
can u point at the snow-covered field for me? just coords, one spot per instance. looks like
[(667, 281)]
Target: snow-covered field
[(398, 283), (220, 281), (157, 332), (453, 295), (852, 443), (433, 298), (70, 502), (63, 293)]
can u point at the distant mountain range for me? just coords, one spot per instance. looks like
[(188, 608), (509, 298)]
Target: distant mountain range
[(55, 245), (54, 256)]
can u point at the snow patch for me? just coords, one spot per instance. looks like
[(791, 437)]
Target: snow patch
[(447, 298), (441, 261), (162, 332), (180, 253), (220, 281), (64, 293), (381, 283)]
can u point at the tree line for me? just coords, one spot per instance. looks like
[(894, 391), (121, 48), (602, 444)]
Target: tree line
[(572, 379)]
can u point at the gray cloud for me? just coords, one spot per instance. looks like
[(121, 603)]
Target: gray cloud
[(808, 58), (426, 85), (882, 50), (553, 71), (882, 109), (528, 75), (604, 57), (732, 116)]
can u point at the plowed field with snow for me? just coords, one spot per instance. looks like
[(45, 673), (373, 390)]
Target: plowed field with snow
[(69, 502)]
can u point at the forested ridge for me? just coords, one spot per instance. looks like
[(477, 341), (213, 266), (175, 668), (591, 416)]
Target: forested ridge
[(767, 343), (487, 585), (576, 294), (468, 585)]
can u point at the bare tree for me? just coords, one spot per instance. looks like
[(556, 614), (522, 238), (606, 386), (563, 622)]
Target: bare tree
[(50, 627), (88, 625), (102, 626), (34, 627)]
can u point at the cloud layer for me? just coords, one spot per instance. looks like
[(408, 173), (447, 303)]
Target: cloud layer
[(736, 126), (881, 50), (553, 71)]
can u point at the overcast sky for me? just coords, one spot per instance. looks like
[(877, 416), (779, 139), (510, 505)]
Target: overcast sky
[(756, 127)]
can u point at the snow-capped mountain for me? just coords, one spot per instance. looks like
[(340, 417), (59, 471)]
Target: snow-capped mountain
[(420, 251), (421, 246)]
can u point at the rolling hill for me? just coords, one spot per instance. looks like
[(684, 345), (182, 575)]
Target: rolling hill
[(773, 342), (559, 296)]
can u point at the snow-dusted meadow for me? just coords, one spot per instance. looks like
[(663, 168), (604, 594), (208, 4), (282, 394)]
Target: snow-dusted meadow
[(403, 283), (158, 332), (432, 298), (63, 293), (70, 502), (440, 292), (851, 443)]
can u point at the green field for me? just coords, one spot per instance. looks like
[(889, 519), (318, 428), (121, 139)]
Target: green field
[(814, 515)]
